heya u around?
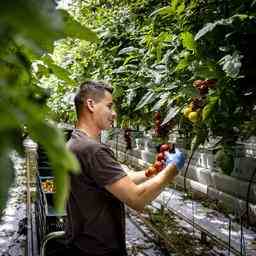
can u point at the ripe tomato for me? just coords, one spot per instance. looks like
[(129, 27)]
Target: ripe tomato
[(158, 166), (164, 147), (158, 122), (160, 157), (211, 83), (150, 171), (197, 83), (157, 115), (147, 173)]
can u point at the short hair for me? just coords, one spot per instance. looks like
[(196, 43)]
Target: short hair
[(90, 89)]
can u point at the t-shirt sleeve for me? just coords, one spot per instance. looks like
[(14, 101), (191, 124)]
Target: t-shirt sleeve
[(106, 169)]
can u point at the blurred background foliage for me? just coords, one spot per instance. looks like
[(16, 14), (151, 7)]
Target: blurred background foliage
[(153, 52), (28, 32)]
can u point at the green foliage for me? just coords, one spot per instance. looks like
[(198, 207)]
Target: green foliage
[(6, 178), (153, 50), (28, 32), (225, 159)]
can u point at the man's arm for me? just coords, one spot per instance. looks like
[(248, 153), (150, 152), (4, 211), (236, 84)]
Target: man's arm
[(137, 196), (136, 177)]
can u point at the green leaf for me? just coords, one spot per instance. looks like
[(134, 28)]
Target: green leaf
[(72, 28), (119, 70), (203, 31), (127, 50), (61, 159), (188, 41), (174, 4), (148, 98), (40, 28), (6, 178), (164, 11), (231, 64), (163, 99), (131, 94), (210, 107), (222, 22), (172, 112), (60, 72), (181, 8), (199, 138), (131, 57), (183, 63)]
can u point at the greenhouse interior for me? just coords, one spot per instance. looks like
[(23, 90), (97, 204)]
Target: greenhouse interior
[(128, 128)]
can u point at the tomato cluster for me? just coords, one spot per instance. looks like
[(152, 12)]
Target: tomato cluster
[(192, 112), (203, 85), (161, 130), (127, 138), (160, 157), (157, 119)]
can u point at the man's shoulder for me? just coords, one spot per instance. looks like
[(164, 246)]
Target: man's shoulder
[(79, 143)]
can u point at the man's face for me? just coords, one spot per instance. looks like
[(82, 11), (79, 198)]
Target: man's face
[(104, 115)]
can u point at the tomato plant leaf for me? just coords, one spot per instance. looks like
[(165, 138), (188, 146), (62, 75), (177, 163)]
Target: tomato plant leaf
[(148, 98), (127, 50), (231, 64), (7, 177), (60, 72), (72, 28), (163, 99), (209, 108), (188, 41), (172, 112)]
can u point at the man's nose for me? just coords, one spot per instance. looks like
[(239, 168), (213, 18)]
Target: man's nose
[(114, 114)]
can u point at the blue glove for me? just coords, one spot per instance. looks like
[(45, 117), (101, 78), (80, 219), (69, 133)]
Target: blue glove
[(177, 158)]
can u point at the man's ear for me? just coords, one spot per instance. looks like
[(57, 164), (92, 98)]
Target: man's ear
[(90, 104)]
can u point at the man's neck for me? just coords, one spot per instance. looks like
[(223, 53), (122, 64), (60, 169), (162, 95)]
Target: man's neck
[(89, 131)]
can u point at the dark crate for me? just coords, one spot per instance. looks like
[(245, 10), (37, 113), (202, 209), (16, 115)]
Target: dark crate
[(45, 171)]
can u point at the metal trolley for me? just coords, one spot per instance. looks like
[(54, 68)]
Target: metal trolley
[(49, 223)]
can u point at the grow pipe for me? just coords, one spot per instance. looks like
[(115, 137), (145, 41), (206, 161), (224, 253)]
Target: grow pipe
[(203, 230), (158, 234)]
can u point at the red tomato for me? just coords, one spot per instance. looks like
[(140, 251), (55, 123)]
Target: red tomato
[(150, 171), (158, 166), (160, 157), (197, 83), (158, 122), (211, 83), (157, 116), (164, 147)]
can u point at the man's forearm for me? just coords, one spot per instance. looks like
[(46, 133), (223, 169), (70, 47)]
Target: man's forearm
[(137, 177), (150, 189)]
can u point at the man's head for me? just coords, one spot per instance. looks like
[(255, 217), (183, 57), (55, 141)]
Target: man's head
[(94, 98), (94, 90)]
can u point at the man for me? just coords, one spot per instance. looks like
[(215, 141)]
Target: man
[(95, 208)]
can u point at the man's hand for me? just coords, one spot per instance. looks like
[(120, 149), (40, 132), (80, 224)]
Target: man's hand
[(177, 158)]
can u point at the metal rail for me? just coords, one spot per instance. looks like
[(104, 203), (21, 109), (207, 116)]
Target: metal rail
[(29, 215), (162, 235), (48, 237), (203, 230), (31, 244)]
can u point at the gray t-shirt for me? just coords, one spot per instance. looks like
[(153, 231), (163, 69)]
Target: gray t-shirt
[(95, 218)]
